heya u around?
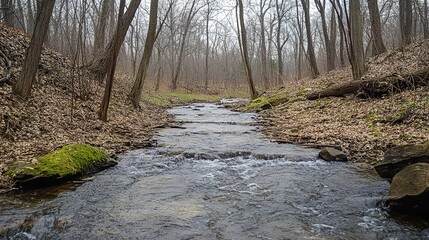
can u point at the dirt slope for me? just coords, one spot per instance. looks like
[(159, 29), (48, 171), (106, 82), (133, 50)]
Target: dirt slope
[(364, 127), (61, 111)]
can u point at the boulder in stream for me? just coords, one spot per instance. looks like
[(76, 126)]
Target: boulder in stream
[(332, 154), (410, 187), (63, 164), (397, 158)]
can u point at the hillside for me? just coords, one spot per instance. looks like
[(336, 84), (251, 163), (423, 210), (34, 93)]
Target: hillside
[(62, 110), (363, 127)]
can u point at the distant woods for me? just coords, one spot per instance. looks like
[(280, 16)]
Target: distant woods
[(199, 45)]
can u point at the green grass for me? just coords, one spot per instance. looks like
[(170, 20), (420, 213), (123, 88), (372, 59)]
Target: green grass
[(166, 99), (70, 160)]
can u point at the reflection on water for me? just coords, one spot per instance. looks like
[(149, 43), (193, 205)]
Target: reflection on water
[(217, 178)]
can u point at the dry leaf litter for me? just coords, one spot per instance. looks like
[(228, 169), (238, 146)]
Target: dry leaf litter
[(50, 119)]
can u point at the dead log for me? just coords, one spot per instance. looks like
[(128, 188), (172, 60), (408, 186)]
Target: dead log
[(376, 87)]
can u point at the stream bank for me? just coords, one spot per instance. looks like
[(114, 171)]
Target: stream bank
[(214, 177)]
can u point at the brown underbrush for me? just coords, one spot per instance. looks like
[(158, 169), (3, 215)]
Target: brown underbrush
[(363, 127)]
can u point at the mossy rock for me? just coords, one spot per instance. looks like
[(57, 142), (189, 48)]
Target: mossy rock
[(63, 164), (263, 103)]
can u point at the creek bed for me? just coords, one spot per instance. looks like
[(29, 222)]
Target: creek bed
[(215, 177)]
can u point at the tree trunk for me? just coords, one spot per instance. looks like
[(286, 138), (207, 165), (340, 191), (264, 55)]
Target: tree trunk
[(8, 12), (263, 53), (206, 68), (376, 87), (147, 53), (406, 20), (333, 38), (330, 50), (425, 20), (32, 55), (100, 33), (356, 39), (20, 19), (100, 65), (30, 17), (310, 48), (189, 18), (377, 39), (116, 43), (159, 71), (245, 53)]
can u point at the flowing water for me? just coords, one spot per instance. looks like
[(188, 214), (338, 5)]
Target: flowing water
[(215, 177)]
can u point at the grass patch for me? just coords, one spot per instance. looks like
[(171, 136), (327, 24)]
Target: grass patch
[(166, 99)]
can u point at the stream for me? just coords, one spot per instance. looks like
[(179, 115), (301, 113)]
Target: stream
[(215, 176)]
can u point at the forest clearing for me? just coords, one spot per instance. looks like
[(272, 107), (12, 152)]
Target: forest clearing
[(187, 119)]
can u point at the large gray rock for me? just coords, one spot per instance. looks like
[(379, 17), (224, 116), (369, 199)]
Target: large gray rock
[(396, 158), (332, 154), (411, 185)]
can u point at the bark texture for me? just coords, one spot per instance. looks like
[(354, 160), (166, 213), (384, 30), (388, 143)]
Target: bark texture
[(32, 56)]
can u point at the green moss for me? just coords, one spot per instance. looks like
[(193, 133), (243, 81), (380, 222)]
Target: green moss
[(266, 103), (71, 160), (301, 92)]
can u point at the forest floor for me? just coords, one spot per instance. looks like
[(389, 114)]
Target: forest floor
[(361, 127), (63, 109)]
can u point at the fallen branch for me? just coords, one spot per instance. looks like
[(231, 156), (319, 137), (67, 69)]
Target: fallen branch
[(376, 87), (6, 79)]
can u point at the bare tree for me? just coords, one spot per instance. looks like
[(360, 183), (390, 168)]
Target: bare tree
[(264, 6), (191, 14), (100, 65), (244, 50), (116, 43), (100, 33), (377, 39), (356, 39), (329, 38), (310, 47), (7, 8), (32, 55), (147, 53), (406, 20)]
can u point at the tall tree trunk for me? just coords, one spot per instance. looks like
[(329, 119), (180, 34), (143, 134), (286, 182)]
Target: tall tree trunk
[(310, 47), (116, 43), (263, 49), (206, 67), (147, 53), (406, 20), (279, 47), (377, 39), (245, 53), (30, 17), (8, 12), (189, 18), (100, 65), (425, 20), (100, 33), (20, 19), (32, 55), (159, 70), (330, 50), (333, 38), (356, 39)]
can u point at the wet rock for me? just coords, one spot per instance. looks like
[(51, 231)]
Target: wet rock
[(63, 164), (332, 154), (396, 158), (410, 187)]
